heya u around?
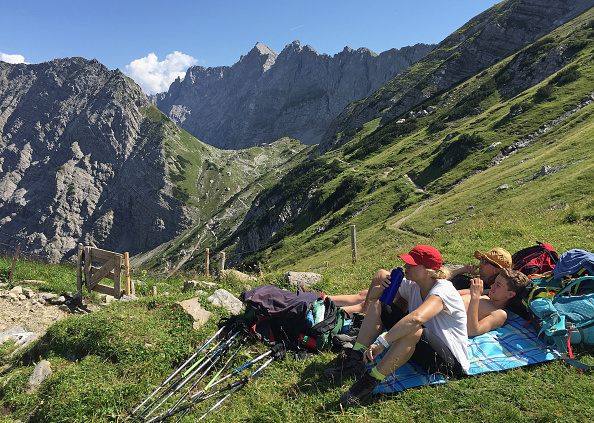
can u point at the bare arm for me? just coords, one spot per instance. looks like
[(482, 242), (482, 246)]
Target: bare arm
[(413, 321), (467, 268), (477, 325), (376, 291)]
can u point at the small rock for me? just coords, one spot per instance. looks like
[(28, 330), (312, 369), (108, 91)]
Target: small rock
[(191, 285), (57, 300), (128, 298), (40, 373), (18, 290), (196, 311), (238, 275), (46, 296), (492, 146), (223, 298), (303, 278)]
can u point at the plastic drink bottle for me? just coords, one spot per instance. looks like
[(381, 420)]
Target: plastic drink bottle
[(395, 279)]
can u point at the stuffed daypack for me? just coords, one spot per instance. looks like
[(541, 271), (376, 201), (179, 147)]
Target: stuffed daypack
[(564, 320), (301, 320), (537, 259), (575, 262)]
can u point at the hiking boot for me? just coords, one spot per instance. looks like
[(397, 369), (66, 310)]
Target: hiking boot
[(350, 363), (347, 339), (360, 391)]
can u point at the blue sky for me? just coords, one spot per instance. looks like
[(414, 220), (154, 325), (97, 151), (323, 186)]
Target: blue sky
[(155, 41)]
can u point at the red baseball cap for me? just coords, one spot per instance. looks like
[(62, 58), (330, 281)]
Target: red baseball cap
[(426, 255)]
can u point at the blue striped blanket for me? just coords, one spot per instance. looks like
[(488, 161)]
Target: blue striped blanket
[(510, 346)]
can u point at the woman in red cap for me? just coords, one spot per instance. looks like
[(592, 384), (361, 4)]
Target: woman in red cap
[(432, 333)]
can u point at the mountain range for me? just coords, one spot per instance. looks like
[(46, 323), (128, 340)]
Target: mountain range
[(266, 95)]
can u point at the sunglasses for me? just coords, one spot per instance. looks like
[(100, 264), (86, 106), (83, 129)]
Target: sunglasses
[(485, 261)]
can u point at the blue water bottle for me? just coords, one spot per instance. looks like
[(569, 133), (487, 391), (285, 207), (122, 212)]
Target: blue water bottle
[(395, 280)]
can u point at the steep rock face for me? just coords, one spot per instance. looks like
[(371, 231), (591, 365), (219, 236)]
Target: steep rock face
[(266, 95), (482, 41), (80, 162)]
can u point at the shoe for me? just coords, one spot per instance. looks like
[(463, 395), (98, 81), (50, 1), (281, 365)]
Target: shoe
[(350, 363), (347, 339), (360, 391)]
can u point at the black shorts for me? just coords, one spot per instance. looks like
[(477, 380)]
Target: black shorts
[(431, 353)]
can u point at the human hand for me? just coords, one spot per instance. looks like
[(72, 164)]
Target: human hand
[(373, 351), (470, 268), (476, 288)]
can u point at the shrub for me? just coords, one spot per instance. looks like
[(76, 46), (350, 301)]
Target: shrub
[(566, 76), (544, 93)]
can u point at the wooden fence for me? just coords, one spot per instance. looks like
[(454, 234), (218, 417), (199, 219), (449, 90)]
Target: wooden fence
[(95, 264)]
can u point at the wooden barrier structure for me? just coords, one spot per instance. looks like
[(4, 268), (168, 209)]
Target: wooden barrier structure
[(112, 266)]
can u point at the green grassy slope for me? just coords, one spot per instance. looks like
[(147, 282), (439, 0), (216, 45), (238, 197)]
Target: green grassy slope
[(215, 186), (451, 152)]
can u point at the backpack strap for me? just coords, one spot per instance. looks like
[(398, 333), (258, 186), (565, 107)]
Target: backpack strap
[(576, 283), (553, 327)]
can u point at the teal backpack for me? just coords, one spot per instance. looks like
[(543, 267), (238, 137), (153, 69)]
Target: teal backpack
[(566, 319)]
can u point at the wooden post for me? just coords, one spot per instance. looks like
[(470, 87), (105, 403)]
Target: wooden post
[(207, 264), (221, 262), (117, 276), (79, 273), (14, 260), (87, 269), (354, 244), (154, 291), (127, 291)]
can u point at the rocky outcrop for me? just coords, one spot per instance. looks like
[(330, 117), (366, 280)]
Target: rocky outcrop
[(266, 96), (485, 39), (80, 162)]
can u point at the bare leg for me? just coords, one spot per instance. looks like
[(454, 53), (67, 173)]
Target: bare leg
[(372, 325), (379, 276), (399, 353), (359, 303), (351, 303)]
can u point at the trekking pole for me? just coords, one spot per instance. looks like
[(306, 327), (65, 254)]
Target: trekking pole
[(173, 411), (247, 379), (239, 369), (241, 344), (215, 356), (198, 400), (177, 371), (279, 351), (175, 383)]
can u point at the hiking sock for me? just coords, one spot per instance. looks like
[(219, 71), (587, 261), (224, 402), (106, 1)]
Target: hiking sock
[(359, 347), (376, 374)]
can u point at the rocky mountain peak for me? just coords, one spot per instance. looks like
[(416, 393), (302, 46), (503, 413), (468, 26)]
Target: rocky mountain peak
[(80, 161), (267, 96), (261, 55)]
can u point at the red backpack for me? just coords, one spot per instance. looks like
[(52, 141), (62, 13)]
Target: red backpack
[(537, 259)]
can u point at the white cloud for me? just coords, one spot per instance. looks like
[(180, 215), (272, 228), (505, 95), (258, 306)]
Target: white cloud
[(12, 58), (154, 76)]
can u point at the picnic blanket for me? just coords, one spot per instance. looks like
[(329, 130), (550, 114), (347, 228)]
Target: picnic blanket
[(515, 344)]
